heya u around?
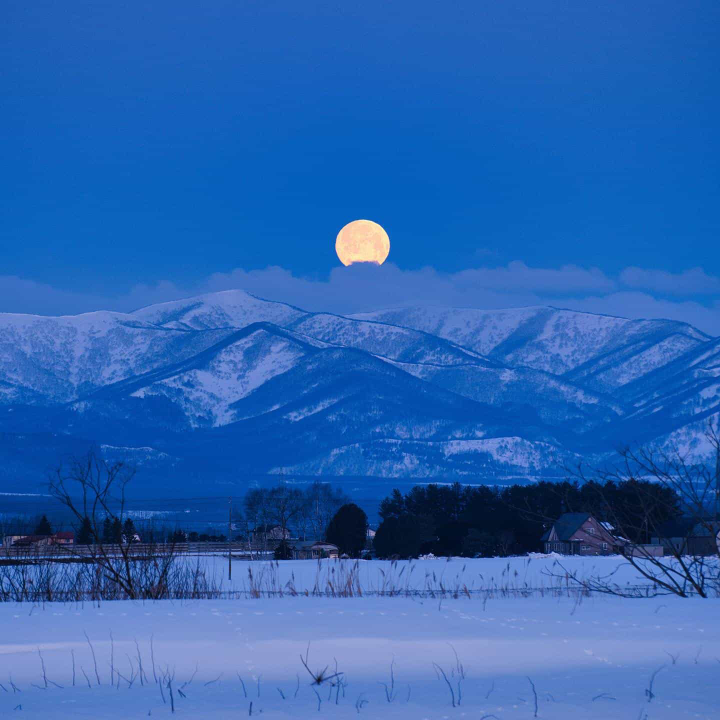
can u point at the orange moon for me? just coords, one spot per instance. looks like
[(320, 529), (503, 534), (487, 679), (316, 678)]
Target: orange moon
[(362, 241)]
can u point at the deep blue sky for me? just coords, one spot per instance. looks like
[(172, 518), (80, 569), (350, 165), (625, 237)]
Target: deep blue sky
[(171, 140)]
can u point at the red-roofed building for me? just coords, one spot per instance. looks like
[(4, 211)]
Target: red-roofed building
[(59, 538)]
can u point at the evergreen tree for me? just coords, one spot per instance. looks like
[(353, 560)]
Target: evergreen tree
[(107, 531), (450, 538), (485, 521), (283, 551), (393, 506), (116, 531), (348, 530), (43, 527), (129, 531), (85, 533), (150, 535), (405, 536), (178, 536)]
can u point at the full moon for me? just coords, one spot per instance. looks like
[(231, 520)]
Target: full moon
[(362, 241)]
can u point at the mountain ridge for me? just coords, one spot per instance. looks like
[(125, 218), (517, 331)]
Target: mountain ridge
[(229, 383)]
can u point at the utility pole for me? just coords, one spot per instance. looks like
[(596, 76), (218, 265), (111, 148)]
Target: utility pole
[(717, 480), (230, 538)]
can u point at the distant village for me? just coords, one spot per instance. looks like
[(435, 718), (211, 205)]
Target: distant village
[(263, 542)]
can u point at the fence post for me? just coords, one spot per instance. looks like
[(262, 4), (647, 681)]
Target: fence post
[(230, 538)]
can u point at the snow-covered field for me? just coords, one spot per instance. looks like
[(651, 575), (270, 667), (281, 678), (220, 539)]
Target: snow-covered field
[(536, 574), (588, 659)]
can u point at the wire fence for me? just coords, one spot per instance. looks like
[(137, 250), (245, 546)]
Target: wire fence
[(59, 551)]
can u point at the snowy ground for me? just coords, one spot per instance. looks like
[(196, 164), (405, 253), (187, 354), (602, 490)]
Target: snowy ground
[(433, 575), (594, 659)]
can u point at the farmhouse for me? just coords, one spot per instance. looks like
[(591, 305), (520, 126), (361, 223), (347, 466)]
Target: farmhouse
[(268, 536), (579, 534)]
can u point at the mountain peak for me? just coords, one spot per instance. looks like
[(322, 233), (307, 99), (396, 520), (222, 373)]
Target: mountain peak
[(223, 309)]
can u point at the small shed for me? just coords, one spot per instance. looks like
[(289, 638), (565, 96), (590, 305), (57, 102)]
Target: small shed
[(314, 549), (691, 536)]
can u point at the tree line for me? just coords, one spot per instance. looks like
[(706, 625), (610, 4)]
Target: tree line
[(460, 520), (488, 522)]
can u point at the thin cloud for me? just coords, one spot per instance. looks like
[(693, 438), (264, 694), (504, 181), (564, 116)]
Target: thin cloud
[(367, 287), (18, 295), (361, 288), (690, 282)]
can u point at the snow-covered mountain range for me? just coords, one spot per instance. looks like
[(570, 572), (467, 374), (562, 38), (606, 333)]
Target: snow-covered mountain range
[(226, 386)]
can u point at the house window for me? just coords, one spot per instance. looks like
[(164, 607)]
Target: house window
[(604, 546), (584, 547), (591, 530)]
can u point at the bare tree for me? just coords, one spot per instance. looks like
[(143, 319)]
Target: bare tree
[(690, 564), (257, 517), (321, 502), (17, 525), (94, 491), (284, 504)]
